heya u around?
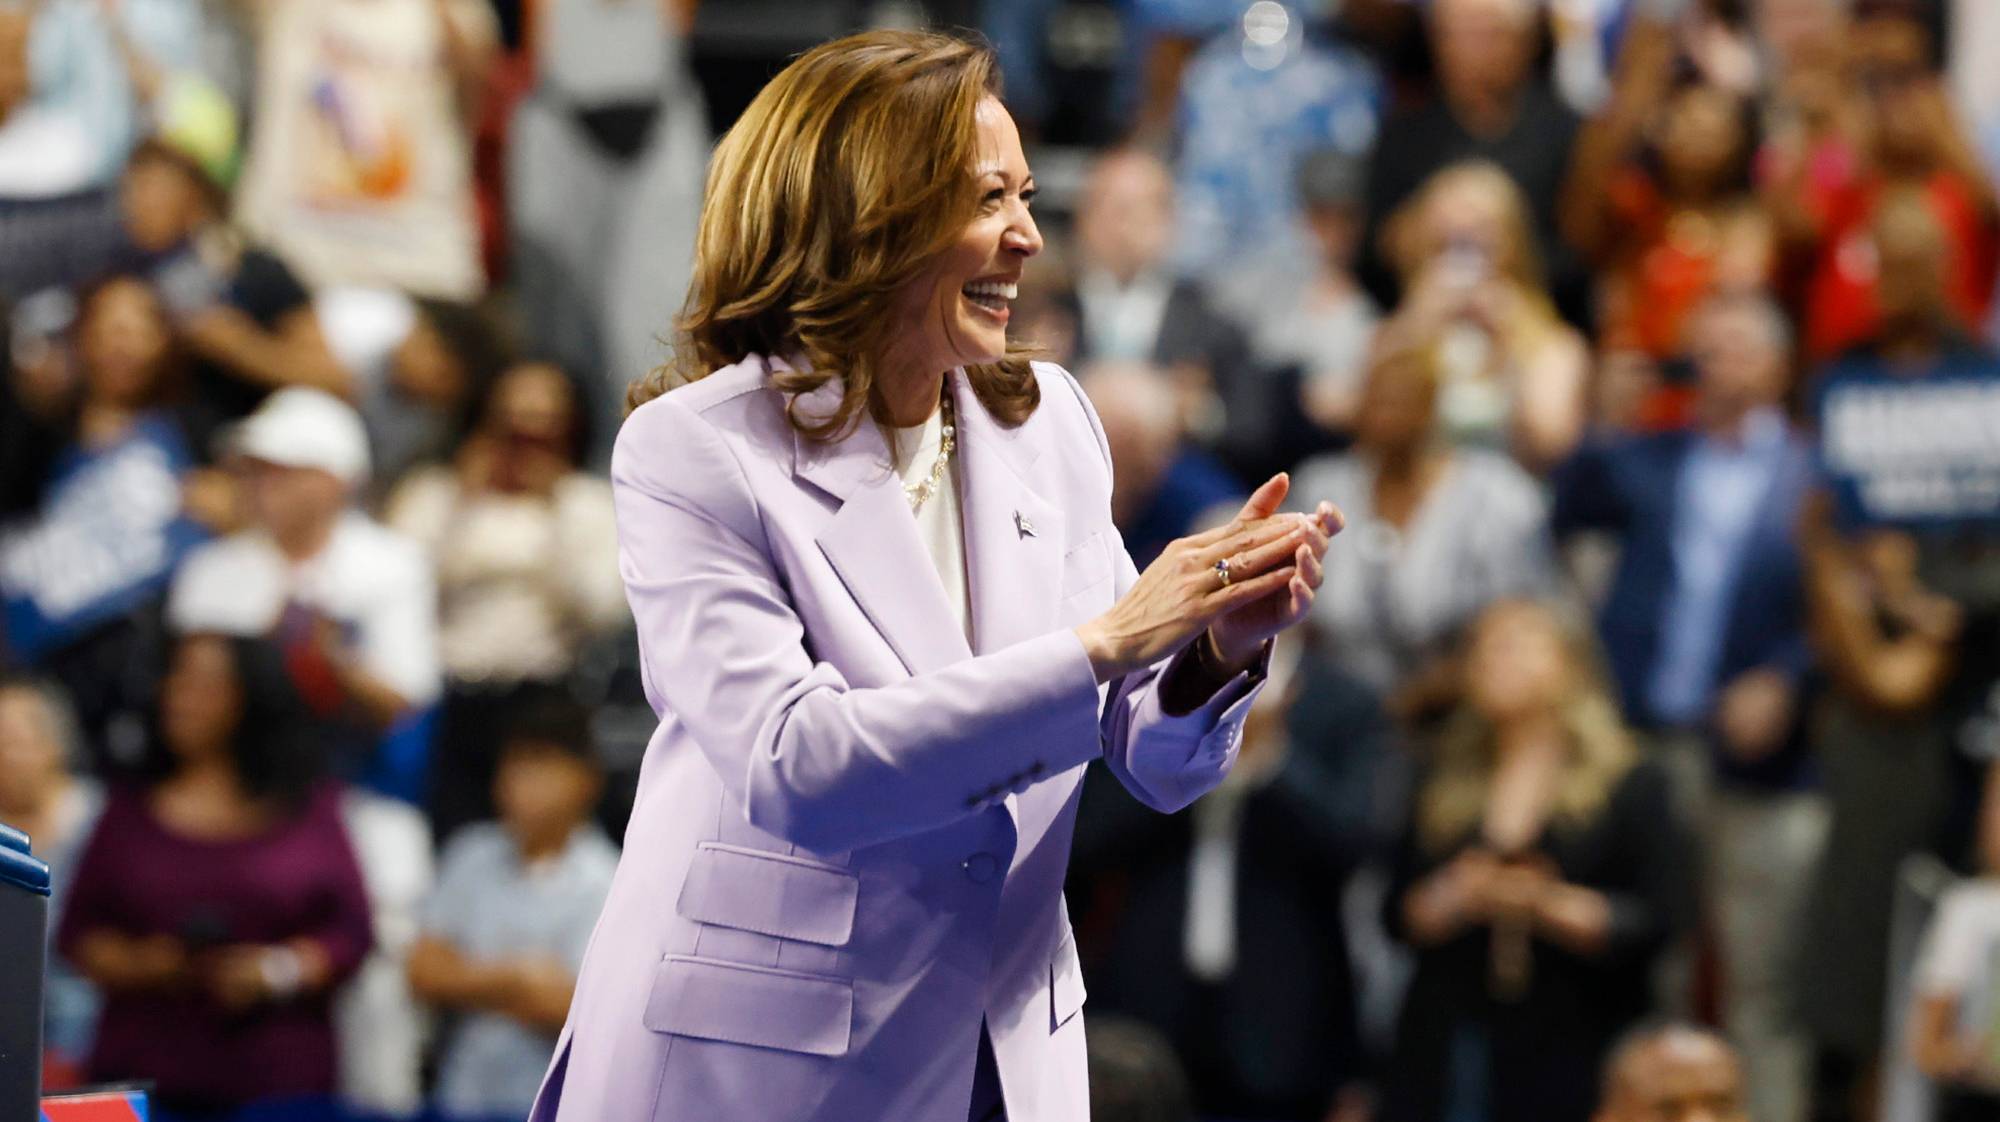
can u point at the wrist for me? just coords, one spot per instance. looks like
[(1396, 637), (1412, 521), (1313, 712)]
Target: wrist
[(1216, 654)]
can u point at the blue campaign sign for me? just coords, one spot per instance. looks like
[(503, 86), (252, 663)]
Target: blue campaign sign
[(108, 535), (1918, 449)]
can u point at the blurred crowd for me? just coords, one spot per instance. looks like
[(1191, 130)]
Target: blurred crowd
[(1648, 345)]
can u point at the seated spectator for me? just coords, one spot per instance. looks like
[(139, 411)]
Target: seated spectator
[(360, 168), (217, 905), (1224, 927), (1952, 1020), (1513, 375), (240, 311), (1659, 198), (417, 369), (1705, 632), (1674, 1073), (82, 577), (42, 796), (1130, 306), (1162, 487), (352, 603), (526, 555), (515, 905), (1434, 534), (1907, 139), (1491, 106), (1540, 875)]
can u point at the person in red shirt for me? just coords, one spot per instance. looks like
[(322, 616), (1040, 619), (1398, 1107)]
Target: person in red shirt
[(1901, 133)]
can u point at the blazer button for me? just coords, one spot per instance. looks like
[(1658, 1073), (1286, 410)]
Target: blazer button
[(981, 867)]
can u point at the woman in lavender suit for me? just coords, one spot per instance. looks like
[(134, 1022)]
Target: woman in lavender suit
[(886, 621)]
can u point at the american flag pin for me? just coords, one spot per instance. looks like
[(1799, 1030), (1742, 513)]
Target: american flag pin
[(1023, 526)]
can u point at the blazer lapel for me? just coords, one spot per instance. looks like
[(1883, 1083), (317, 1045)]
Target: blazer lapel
[(1014, 537), (872, 541)]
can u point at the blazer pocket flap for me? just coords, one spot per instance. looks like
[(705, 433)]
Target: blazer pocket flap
[(1066, 993), (1086, 565), (771, 894), (754, 1005)]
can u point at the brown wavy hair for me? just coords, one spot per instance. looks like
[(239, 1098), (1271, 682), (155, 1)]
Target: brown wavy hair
[(847, 176), (1452, 800)]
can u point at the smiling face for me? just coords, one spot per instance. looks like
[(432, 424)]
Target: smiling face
[(955, 312)]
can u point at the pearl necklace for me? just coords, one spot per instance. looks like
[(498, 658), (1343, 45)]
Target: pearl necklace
[(920, 492)]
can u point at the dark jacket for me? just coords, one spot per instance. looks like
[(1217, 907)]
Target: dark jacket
[(1632, 487)]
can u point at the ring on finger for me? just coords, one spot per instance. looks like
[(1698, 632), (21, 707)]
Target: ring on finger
[(1222, 573)]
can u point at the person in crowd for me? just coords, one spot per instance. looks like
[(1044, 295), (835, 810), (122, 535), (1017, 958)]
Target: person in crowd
[(1224, 927), (1905, 137), (1163, 487), (360, 170), (1899, 562), (1130, 306), (1490, 106), (1513, 374), (239, 309), (1674, 1073), (526, 556), (380, 1028), (603, 184), (1438, 533), (45, 147), (353, 604), (1951, 1027), (1321, 322), (418, 370), (42, 795), (1704, 628), (218, 906), (1659, 198), (88, 80), (516, 900), (82, 577), (1134, 1074), (1258, 93), (1541, 874)]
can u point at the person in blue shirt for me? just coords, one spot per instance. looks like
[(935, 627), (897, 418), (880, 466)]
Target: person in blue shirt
[(1704, 628), (81, 578)]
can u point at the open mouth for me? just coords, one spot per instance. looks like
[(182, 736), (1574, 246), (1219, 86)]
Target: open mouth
[(991, 295)]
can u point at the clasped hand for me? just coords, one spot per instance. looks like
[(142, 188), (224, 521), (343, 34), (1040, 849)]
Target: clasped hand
[(1274, 570)]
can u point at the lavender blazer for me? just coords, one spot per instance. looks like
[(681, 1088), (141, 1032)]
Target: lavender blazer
[(851, 827)]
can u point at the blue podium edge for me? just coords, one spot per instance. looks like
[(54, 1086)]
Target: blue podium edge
[(18, 867)]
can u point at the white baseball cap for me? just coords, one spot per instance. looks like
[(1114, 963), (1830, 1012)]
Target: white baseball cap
[(307, 428)]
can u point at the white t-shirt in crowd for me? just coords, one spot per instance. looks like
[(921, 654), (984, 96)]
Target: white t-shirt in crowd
[(360, 168), (375, 583), (1959, 948)]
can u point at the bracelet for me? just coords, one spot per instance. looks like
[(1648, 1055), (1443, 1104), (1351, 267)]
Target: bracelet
[(283, 971)]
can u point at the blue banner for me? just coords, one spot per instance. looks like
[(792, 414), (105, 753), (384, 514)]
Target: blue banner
[(107, 537)]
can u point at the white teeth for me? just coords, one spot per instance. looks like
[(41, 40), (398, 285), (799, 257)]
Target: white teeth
[(993, 288)]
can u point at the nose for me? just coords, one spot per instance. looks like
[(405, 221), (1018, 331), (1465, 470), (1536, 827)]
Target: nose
[(1023, 236)]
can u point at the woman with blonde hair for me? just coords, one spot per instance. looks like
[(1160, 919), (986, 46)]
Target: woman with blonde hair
[(1541, 874), (1514, 374), (886, 620)]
